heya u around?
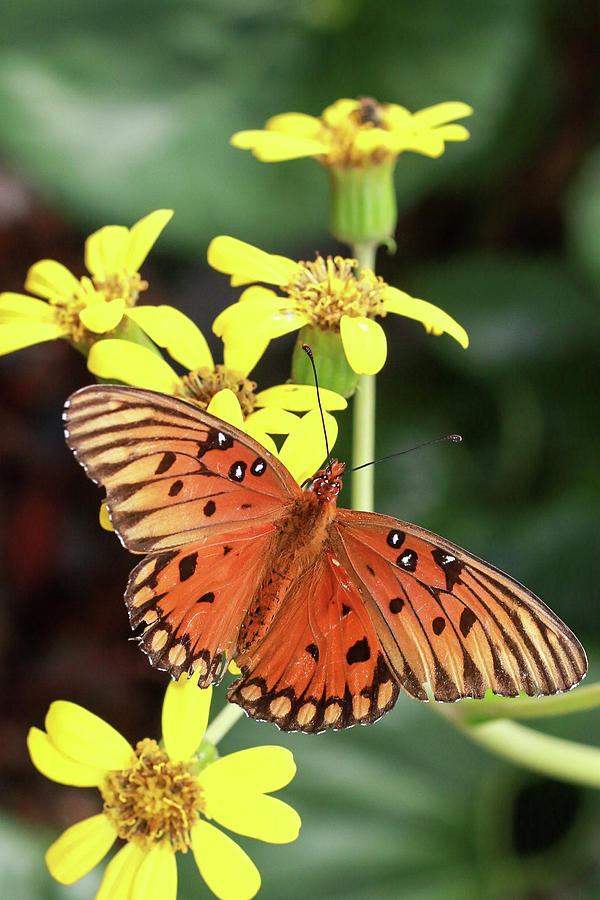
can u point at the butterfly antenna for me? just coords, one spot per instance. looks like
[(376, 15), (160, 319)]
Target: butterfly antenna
[(455, 438), (308, 352)]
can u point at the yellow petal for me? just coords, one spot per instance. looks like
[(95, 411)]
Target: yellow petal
[(50, 279), (246, 263), (80, 848), (259, 769), (120, 873), (299, 397), (304, 450), (365, 344), (254, 815), (296, 124), (226, 406), (104, 518), (233, 669), (339, 111), (441, 113), (171, 329), (185, 716), (271, 146), (116, 360), (431, 316), (255, 303), (242, 352), (103, 316), (86, 738), (227, 870), (17, 335), (453, 132), (156, 877), (261, 436), (142, 237), (272, 420), (58, 767), (102, 250), (15, 307)]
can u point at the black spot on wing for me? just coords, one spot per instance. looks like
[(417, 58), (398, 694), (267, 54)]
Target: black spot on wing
[(450, 566), (237, 471), (396, 605), (175, 488), (408, 560), (209, 508), (215, 440), (467, 620), (187, 566), (395, 538), (258, 467), (206, 598), (313, 650), (165, 464), (358, 652), (438, 625)]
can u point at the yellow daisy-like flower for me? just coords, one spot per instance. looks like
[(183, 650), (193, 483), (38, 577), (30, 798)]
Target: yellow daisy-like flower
[(327, 294), (355, 133), (82, 309), (161, 799), (223, 390)]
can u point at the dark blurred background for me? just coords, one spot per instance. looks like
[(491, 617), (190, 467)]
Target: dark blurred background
[(109, 110)]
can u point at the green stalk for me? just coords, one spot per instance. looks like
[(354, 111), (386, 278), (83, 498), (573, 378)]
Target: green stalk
[(543, 753), (222, 723), (363, 418)]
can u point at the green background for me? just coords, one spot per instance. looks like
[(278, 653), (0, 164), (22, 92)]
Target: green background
[(109, 110)]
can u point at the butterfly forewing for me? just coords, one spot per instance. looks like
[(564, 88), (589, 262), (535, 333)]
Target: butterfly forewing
[(172, 472), (447, 618)]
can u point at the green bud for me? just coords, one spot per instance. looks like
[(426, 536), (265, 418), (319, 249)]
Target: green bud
[(363, 203), (330, 360)]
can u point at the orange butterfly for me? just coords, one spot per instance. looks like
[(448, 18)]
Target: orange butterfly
[(328, 612)]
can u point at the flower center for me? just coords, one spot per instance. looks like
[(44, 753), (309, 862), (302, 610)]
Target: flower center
[(342, 133), (120, 286), (327, 289), (201, 385), (154, 799)]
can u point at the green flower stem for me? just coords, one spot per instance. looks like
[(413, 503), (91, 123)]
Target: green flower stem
[(543, 753), (473, 712), (363, 419), (222, 723)]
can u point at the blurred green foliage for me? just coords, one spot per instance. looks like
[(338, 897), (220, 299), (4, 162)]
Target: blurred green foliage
[(114, 109)]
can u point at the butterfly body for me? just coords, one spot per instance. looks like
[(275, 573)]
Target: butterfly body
[(328, 612)]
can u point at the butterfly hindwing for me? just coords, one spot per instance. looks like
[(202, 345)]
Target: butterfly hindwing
[(188, 604), (320, 664), (171, 471), (450, 619)]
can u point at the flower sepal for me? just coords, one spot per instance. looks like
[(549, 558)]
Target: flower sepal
[(330, 359), (363, 207)]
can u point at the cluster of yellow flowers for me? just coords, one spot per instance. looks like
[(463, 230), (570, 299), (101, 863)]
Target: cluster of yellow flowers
[(161, 798)]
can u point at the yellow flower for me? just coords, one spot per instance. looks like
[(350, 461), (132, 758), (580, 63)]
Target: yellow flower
[(163, 798), (326, 294), (354, 133), (82, 309), (223, 390)]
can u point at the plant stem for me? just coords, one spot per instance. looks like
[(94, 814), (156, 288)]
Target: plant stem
[(557, 757), (221, 724), (363, 418)]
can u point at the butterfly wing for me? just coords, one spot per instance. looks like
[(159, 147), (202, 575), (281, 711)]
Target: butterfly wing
[(188, 604), (173, 474), (320, 664), (447, 618)]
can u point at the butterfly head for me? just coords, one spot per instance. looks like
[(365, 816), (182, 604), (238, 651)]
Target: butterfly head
[(327, 483)]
